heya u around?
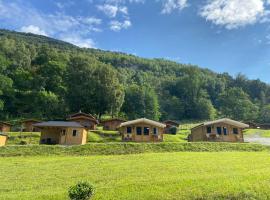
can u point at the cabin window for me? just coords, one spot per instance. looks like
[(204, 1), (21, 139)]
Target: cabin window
[(129, 130), (209, 129), (225, 131), (235, 130), (139, 130), (74, 133), (146, 131), (219, 130), (155, 131)]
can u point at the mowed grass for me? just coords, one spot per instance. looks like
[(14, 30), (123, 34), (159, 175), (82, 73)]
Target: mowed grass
[(185, 175), (260, 132)]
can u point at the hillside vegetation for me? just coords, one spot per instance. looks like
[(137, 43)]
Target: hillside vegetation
[(183, 176), (45, 78)]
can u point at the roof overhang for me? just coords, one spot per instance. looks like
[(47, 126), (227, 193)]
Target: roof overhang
[(143, 120), (226, 121)]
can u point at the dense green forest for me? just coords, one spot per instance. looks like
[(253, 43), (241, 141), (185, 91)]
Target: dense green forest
[(45, 78)]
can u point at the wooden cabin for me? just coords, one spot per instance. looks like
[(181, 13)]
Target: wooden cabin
[(62, 132), (27, 125), (222, 130), (5, 127), (3, 139), (86, 120), (142, 130), (169, 124), (112, 124)]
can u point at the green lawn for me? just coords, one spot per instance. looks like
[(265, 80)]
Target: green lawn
[(260, 132), (17, 138), (186, 175)]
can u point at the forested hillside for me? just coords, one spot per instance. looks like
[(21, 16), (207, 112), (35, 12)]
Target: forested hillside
[(46, 78)]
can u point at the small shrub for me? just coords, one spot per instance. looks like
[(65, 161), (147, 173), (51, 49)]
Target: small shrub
[(23, 142), (173, 130), (81, 191)]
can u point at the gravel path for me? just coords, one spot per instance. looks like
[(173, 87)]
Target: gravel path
[(256, 138)]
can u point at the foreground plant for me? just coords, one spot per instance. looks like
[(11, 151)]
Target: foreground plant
[(81, 191)]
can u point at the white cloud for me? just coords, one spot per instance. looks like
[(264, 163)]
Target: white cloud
[(235, 13), (55, 25), (112, 10), (117, 25), (170, 5), (33, 29), (78, 41)]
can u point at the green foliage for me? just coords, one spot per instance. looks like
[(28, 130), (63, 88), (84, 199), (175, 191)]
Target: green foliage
[(173, 130), (235, 103), (265, 114), (81, 191), (46, 78), (128, 148), (141, 101)]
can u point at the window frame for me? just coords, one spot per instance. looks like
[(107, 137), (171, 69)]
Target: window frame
[(235, 132), (219, 132), (137, 131), (146, 131), (74, 132), (209, 128), (225, 131), (129, 128)]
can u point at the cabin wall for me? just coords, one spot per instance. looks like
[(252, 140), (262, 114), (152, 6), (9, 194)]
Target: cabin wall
[(28, 127), (200, 133), (3, 140), (142, 138), (63, 136), (89, 124), (80, 138), (4, 128)]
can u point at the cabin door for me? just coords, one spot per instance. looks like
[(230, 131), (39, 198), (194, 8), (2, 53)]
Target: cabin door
[(63, 136)]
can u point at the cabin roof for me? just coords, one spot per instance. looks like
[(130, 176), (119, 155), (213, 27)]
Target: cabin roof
[(171, 121), (3, 134), (30, 120), (6, 123), (224, 120), (59, 124), (143, 120), (82, 115)]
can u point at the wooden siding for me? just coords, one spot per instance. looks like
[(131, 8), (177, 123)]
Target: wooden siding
[(200, 134), (63, 136), (142, 138), (3, 140), (5, 128)]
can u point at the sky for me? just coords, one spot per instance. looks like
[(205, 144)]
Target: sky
[(223, 35)]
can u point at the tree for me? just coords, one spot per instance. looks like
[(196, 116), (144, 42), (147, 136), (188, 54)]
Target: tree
[(141, 102), (235, 103), (265, 114), (93, 87)]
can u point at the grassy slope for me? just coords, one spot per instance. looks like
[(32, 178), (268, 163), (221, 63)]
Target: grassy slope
[(125, 148), (227, 175)]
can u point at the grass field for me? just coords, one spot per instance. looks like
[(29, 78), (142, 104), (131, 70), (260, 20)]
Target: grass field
[(260, 132), (186, 175)]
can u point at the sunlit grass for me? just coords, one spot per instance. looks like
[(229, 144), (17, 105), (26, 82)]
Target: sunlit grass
[(231, 175)]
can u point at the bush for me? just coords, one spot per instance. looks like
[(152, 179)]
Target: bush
[(81, 191), (23, 142), (173, 130)]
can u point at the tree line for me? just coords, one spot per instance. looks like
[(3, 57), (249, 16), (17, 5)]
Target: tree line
[(48, 79)]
